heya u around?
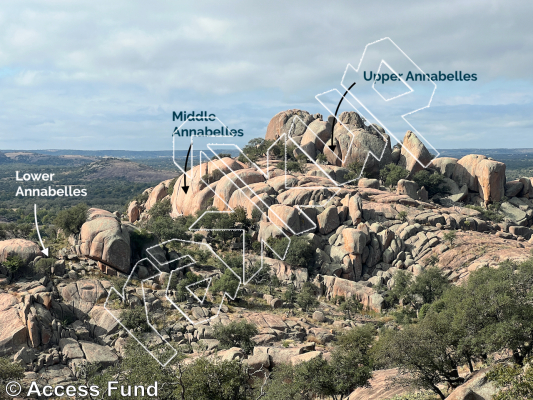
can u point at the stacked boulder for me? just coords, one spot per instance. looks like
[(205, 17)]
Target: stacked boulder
[(104, 239)]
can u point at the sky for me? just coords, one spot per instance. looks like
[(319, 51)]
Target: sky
[(108, 74)]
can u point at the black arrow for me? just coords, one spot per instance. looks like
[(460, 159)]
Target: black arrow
[(185, 187), (332, 146)]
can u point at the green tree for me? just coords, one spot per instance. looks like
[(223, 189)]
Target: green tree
[(44, 266), (450, 237), (350, 367), (227, 283), (289, 295), (300, 252), (391, 174), (135, 319), (429, 285), (515, 382), (71, 219), (351, 307), (236, 334), (307, 297), (424, 358)]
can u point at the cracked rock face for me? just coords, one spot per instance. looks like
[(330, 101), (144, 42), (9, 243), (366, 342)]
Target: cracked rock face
[(104, 240)]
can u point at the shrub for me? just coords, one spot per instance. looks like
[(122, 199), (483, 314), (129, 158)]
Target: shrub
[(256, 215), (291, 166), (355, 169), (321, 158), (13, 263), (227, 283), (289, 295), (514, 382), (44, 265), (391, 174), (221, 155), (450, 237), (402, 216), (135, 318), (236, 334), (299, 254), (71, 220), (10, 371), (491, 213), (171, 185), (433, 182), (351, 307), (307, 297)]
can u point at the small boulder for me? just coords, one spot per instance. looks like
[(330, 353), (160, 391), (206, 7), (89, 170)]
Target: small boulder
[(512, 188), (409, 188), (328, 220), (368, 183), (318, 316)]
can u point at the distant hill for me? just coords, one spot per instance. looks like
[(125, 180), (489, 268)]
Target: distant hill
[(130, 171), (25, 157), (494, 153), (129, 154)]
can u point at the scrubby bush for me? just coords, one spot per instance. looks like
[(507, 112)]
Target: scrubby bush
[(392, 173), (433, 182), (71, 219), (350, 307), (236, 334), (9, 371), (300, 253), (355, 169), (13, 263), (171, 185), (450, 237), (227, 283), (513, 381), (306, 298), (321, 158), (492, 213), (291, 166), (135, 319), (44, 266)]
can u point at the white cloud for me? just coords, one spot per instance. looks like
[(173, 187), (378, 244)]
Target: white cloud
[(94, 64)]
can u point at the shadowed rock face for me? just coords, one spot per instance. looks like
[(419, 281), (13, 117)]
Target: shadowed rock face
[(25, 249), (354, 141), (104, 240)]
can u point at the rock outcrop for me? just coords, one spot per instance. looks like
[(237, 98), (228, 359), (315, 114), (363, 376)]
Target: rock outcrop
[(289, 122), (25, 249), (481, 175), (103, 239), (414, 155), (199, 196)]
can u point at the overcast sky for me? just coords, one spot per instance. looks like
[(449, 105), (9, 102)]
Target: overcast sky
[(108, 74)]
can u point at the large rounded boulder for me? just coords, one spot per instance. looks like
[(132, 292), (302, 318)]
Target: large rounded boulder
[(283, 122), (104, 240), (25, 249), (354, 141), (482, 175), (199, 195)]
